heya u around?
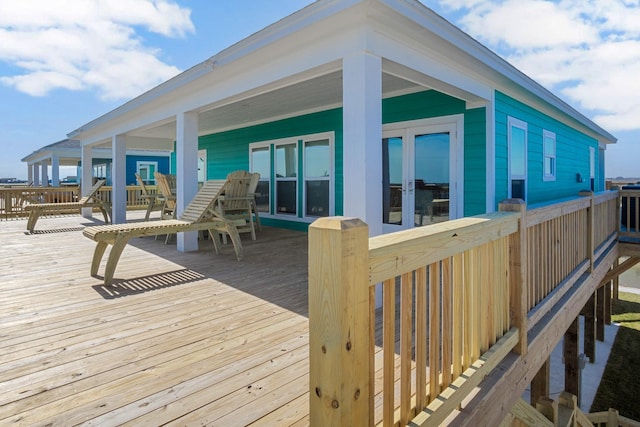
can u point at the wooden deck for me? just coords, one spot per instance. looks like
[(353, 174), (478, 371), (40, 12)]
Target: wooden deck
[(178, 339)]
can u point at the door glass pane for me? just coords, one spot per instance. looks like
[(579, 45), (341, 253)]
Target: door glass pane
[(431, 184), (392, 176)]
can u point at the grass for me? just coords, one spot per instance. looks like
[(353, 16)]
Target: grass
[(620, 384)]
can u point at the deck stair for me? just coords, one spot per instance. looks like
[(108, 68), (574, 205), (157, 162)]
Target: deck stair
[(562, 412)]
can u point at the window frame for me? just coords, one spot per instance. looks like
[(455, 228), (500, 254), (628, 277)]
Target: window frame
[(151, 180), (300, 178), (512, 122), (553, 157)]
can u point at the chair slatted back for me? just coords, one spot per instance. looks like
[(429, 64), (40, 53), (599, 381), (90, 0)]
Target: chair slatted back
[(202, 206), (165, 189), (92, 192), (236, 190), (141, 184)]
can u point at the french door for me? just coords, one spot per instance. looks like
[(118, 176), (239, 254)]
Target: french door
[(420, 182)]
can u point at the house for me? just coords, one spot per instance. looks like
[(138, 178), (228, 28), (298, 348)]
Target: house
[(377, 109), (68, 153)]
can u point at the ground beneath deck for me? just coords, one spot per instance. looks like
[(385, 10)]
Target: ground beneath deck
[(178, 339)]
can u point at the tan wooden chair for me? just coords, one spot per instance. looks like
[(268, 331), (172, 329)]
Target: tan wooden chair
[(201, 214), (167, 191), (89, 200), (253, 185), (237, 203), (153, 202)]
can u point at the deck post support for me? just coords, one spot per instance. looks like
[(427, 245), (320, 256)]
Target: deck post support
[(571, 348), (540, 383), (600, 318), (589, 312), (607, 303), (590, 228), (518, 273), (339, 340)]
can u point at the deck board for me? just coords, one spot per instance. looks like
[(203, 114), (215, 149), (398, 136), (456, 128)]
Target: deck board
[(183, 338)]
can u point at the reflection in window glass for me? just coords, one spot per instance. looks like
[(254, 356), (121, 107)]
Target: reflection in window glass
[(286, 197), (518, 146), (317, 160), (317, 198), (286, 160), (392, 180), (549, 148), (260, 162)]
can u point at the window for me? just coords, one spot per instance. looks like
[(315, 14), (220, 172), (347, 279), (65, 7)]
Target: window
[(261, 163), (592, 167), (147, 171), (317, 164), (286, 182), (517, 139), (296, 176), (549, 153)]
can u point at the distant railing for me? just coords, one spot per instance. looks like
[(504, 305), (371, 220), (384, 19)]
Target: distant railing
[(630, 213), (14, 200), (457, 297)]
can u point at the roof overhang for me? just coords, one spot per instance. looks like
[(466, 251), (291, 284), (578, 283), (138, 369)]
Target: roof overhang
[(294, 67)]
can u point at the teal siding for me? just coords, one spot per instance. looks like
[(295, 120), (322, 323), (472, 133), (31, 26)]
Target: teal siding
[(572, 154), (475, 162), (229, 151), (420, 105)]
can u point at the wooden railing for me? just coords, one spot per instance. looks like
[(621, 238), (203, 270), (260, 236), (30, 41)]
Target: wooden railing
[(456, 298), (630, 213), (13, 200)]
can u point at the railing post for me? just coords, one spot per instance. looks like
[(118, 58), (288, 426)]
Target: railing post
[(518, 272), (590, 227), (339, 342)]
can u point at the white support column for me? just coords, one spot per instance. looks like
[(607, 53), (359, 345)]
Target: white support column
[(87, 175), (362, 123), (55, 171), (187, 172), (34, 174), (45, 174), (119, 180)]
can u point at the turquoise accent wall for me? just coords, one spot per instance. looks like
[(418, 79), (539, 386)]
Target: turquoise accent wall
[(572, 154), (229, 151), (475, 161)]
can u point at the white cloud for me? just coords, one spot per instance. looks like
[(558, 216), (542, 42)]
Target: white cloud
[(588, 51), (87, 44)]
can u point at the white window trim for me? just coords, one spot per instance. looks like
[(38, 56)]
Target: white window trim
[(330, 178), (511, 123), (140, 163), (299, 217), (551, 135), (592, 162)]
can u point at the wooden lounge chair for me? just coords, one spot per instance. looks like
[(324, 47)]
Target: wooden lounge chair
[(199, 215), (90, 200), (237, 203), (153, 203)]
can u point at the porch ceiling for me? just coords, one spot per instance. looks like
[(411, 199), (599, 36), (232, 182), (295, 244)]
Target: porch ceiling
[(308, 96)]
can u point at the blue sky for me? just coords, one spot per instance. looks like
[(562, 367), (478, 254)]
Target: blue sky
[(61, 67)]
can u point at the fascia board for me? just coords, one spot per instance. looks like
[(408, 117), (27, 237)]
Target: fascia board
[(287, 26), (429, 20)]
